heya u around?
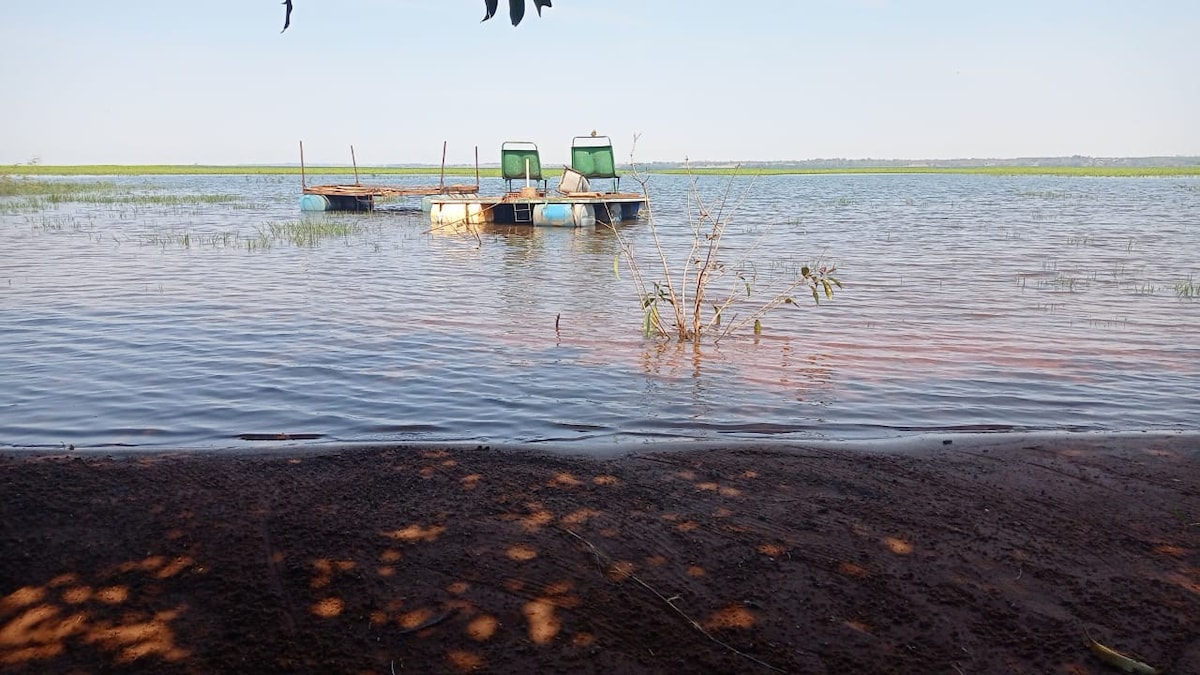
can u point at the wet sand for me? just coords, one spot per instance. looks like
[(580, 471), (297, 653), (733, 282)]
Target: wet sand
[(990, 554)]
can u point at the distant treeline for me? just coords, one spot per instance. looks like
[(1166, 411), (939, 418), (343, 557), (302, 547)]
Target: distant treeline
[(966, 163), (1075, 165)]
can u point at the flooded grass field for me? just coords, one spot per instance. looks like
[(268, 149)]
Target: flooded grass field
[(206, 311)]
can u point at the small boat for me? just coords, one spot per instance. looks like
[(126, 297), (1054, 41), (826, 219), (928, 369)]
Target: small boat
[(572, 203), (360, 197)]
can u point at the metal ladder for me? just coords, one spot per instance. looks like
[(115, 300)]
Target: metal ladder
[(522, 212)]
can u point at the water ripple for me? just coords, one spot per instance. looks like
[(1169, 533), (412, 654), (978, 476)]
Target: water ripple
[(973, 303)]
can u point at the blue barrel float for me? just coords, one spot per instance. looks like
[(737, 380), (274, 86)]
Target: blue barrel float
[(559, 214), (314, 203)]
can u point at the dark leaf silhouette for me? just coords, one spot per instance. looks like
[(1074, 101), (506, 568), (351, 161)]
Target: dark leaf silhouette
[(516, 10)]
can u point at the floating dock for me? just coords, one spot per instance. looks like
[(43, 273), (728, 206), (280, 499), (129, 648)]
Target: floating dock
[(572, 204), (359, 197), (537, 208)]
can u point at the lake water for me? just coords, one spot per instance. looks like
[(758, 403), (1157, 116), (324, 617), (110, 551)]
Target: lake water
[(971, 303)]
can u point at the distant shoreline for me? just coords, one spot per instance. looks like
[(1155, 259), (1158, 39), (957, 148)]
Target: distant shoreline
[(494, 172)]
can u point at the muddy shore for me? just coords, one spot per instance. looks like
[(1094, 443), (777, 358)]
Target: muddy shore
[(997, 555)]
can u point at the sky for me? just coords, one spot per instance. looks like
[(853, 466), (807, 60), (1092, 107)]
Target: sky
[(161, 82)]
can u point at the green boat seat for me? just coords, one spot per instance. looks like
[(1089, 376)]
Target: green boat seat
[(520, 160), (593, 157)]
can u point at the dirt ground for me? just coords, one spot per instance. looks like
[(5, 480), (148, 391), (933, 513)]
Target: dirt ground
[(978, 556)]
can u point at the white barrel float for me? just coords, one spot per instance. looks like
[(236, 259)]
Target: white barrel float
[(454, 212), (611, 211), (564, 215), (314, 203)]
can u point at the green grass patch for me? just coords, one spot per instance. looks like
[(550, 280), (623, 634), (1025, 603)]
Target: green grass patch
[(494, 172), (11, 186), (159, 200), (194, 169), (306, 233), (24, 194), (1187, 289), (1102, 171)]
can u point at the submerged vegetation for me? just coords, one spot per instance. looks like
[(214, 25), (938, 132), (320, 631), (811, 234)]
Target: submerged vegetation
[(1187, 289), (11, 186), (23, 194), (304, 233), (708, 294), (494, 172), (1099, 171), (209, 170)]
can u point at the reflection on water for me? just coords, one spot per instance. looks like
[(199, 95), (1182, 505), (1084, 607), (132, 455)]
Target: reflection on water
[(971, 302)]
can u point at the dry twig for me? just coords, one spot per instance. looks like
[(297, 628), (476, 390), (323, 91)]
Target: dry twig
[(668, 601)]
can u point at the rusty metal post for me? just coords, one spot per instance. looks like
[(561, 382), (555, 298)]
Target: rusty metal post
[(303, 182), (442, 177), (355, 163)]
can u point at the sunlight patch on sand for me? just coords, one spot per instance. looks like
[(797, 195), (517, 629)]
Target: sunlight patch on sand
[(328, 608), (731, 616), (414, 533), (113, 595), (543, 622), (138, 640), (564, 479), (521, 553), (483, 627), (536, 520), (579, 517), (415, 618), (772, 550), (853, 570), (465, 661)]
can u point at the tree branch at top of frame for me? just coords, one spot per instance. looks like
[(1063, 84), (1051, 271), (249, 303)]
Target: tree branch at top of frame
[(516, 10)]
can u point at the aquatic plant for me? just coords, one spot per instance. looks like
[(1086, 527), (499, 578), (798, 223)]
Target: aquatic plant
[(205, 170), (1187, 289), (706, 295), (308, 233), (158, 199), (53, 190), (494, 172), (298, 233), (1097, 171)]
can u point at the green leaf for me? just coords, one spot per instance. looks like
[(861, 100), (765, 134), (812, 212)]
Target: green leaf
[(828, 288), (836, 282), (617, 266), (757, 327), (816, 298), (804, 271)]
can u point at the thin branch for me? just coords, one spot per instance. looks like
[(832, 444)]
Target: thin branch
[(600, 555)]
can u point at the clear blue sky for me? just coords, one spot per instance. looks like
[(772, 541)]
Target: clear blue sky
[(141, 81)]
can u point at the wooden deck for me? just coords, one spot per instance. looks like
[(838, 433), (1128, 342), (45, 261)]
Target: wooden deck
[(536, 207), (359, 190)]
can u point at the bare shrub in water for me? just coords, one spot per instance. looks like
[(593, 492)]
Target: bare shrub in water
[(706, 295)]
